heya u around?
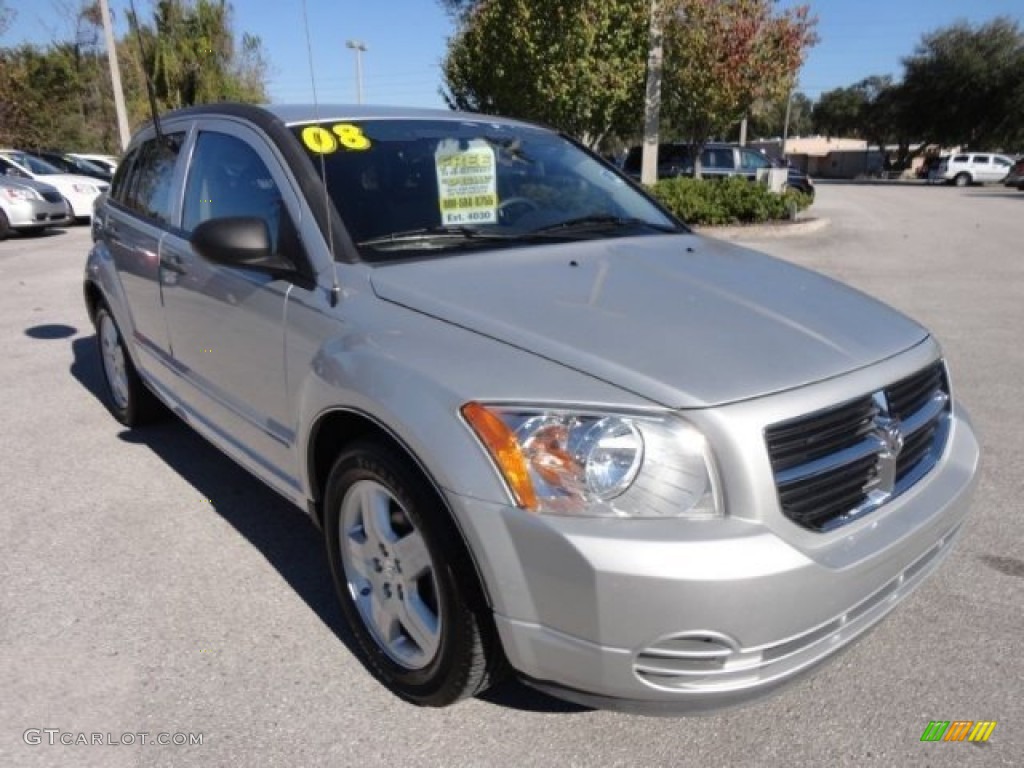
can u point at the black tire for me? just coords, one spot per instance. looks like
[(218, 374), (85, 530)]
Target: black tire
[(130, 402), (962, 180), (5, 226), (468, 657)]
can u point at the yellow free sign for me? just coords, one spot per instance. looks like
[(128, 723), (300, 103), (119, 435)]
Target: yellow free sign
[(467, 184)]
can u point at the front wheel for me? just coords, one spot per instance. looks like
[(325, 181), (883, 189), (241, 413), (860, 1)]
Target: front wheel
[(404, 582)]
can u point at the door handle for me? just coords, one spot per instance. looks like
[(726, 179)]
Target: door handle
[(173, 264)]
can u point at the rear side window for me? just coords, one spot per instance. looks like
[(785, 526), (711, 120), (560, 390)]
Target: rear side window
[(960, 159), (119, 186), (982, 159), (718, 157), (753, 160), (148, 186)]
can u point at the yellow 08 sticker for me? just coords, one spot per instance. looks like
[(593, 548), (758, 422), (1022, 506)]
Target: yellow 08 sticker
[(324, 142)]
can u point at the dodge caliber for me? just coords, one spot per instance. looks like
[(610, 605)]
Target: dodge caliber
[(546, 429)]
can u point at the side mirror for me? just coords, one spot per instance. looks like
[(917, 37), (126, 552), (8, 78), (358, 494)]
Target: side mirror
[(237, 241)]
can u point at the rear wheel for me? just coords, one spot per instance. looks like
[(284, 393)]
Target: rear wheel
[(5, 226), (405, 585), (128, 399), (962, 179)]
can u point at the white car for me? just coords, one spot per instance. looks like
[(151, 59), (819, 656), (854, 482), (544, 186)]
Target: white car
[(79, 191), (29, 206), (107, 162), (974, 168)]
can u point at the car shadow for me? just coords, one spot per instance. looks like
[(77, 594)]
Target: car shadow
[(51, 331), (1014, 195), (289, 540), (43, 233)]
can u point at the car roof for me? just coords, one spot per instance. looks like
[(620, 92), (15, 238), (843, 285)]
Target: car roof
[(292, 114), (297, 114)]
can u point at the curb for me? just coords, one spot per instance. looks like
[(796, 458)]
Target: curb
[(764, 231)]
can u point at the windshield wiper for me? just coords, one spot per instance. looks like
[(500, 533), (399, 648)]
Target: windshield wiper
[(603, 219), (430, 233)]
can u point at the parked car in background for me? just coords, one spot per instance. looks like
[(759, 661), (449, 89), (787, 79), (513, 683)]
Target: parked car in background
[(542, 424), (107, 162), (1015, 178), (70, 164), (718, 161), (969, 168), (79, 191), (29, 206)]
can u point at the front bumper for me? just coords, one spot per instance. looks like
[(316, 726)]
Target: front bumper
[(662, 615), (34, 214), (81, 203)]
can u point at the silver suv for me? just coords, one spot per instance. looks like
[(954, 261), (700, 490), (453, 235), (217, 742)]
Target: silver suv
[(544, 427)]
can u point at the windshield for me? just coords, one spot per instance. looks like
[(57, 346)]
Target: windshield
[(34, 164), (435, 185)]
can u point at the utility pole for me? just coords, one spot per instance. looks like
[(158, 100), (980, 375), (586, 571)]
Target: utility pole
[(785, 124), (652, 98), (360, 48), (115, 77)]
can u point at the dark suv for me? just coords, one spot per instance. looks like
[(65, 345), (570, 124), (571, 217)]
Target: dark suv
[(718, 161)]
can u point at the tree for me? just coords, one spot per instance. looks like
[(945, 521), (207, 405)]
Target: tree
[(964, 85), (838, 112), (60, 95), (722, 56), (577, 65), (190, 55), (459, 8), (767, 118), (875, 109), (6, 17)]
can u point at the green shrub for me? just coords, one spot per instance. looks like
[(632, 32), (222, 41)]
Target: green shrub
[(728, 201)]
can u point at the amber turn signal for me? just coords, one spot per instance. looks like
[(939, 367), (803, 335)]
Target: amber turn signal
[(501, 443)]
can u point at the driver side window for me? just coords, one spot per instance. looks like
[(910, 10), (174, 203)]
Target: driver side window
[(228, 178)]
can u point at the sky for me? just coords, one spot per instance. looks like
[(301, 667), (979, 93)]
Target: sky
[(406, 41)]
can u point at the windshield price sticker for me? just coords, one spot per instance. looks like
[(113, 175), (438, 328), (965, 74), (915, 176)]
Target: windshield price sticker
[(323, 142), (467, 183)]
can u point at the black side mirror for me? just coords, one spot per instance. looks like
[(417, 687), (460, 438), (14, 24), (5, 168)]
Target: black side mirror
[(237, 241)]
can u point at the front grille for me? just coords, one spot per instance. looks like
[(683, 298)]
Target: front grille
[(835, 465), (51, 196)]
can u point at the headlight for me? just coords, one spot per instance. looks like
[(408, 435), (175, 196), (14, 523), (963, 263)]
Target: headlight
[(84, 189), (582, 463), (17, 193)]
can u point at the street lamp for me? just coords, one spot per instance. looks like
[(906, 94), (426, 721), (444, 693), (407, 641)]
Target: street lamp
[(359, 47)]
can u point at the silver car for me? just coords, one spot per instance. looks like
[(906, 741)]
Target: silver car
[(29, 206), (545, 428)]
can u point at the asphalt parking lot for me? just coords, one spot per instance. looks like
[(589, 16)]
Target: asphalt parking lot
[(150, 586)]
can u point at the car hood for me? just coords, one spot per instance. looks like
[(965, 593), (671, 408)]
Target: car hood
[(17, 181), (679, 319), (65, 180)]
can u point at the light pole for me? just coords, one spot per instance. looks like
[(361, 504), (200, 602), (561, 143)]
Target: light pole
[(359, 47)]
